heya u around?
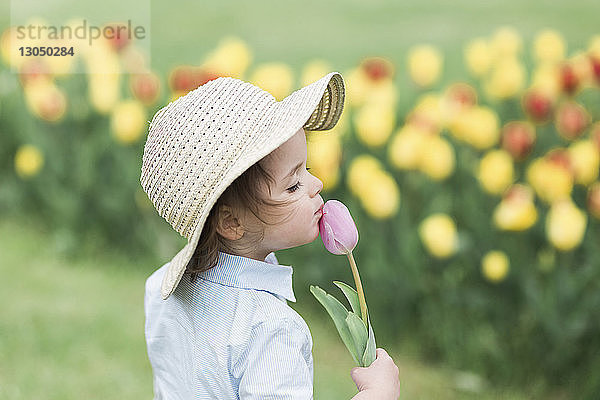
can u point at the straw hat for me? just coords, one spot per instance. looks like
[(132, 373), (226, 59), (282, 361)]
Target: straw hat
[(200, 143)]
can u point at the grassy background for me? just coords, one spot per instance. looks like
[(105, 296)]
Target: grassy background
[(75, 329), (338, 31)]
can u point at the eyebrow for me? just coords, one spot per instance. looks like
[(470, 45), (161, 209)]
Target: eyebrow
[(293, 170)]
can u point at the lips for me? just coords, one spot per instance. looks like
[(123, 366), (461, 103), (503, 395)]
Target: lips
[(320, 210)]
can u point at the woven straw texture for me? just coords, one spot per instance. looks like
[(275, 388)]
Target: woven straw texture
[(200, 143)]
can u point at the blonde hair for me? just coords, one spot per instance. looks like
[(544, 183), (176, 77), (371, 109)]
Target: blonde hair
[(244, 193)]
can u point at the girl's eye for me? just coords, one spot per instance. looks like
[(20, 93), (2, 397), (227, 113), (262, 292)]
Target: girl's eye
[(296, 186)]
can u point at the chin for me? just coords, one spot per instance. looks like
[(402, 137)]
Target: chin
[(316, 235)]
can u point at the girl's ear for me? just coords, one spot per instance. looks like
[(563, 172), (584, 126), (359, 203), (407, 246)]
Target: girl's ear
[(228, 225)]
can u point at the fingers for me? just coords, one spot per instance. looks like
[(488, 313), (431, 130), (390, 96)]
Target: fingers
[(380, 352), (355, 372)]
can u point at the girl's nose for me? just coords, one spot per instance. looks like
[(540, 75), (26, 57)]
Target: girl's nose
[(318, 186)]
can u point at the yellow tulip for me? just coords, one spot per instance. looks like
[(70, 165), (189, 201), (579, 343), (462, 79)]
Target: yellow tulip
[(586, 161), (382, 93), (495, 172), (594, 46), (506, 42), (425, 64), (583, 69), (361, 89), (437, 158), (134, 60), (102, 59), (10, 42), (438, 234), (313, 71), (381, 196), (457, 97), (104, 91), (276, 78), (495, 266), (360, 171), (546, 78), (428, 113), (10, 53), (406, 146), (478, 57), (128, 121), (231, 58), (45, 100), (28, 161), (507, 79), (478, 126), (565, 225), (374, 124), (516, 211), (549, 46), (550, 181), (329, 176), (324, 154), (357, 86), (324, 148)]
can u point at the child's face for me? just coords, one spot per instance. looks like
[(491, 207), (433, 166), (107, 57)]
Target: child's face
[(294, 184)]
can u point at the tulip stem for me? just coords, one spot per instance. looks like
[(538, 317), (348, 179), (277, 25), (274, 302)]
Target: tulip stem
[(359, 289)]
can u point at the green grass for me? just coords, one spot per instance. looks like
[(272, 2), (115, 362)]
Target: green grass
[(75, 329)]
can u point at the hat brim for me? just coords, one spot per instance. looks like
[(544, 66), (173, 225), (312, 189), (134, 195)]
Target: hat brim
[(315, 107)]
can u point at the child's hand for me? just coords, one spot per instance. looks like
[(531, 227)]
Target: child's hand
[(379, 381)]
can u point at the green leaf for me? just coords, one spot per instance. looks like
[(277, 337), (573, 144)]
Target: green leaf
[(370, 350), (351, 295), (359, 334), (338, 314)]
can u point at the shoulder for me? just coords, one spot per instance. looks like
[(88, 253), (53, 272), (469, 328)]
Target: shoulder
[(154, 281), (275, 314)]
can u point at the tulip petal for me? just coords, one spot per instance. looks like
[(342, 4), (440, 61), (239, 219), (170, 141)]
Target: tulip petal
[(359, 335), (338, 230), (328, 238), (338, 314)]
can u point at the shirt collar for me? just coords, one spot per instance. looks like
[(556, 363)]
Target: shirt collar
[(247, 273)]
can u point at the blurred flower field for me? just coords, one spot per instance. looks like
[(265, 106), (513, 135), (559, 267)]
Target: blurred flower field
[(477, 202)]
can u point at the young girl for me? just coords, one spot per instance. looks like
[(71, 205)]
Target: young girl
[(225, 165)]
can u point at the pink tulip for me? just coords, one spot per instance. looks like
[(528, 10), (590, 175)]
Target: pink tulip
[(337, 228), (340, 236)]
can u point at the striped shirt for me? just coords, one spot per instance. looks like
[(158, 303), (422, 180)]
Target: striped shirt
[(229, 335)]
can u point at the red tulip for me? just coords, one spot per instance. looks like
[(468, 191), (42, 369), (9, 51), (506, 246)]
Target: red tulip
[(595, 62), (461, 94), (560, 157), (119, 37), (518, 138), (33, 69), (568, 79), (184, 78), (145, 87), (571, 120), (593, 200), (377, 68), (537, 105)]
